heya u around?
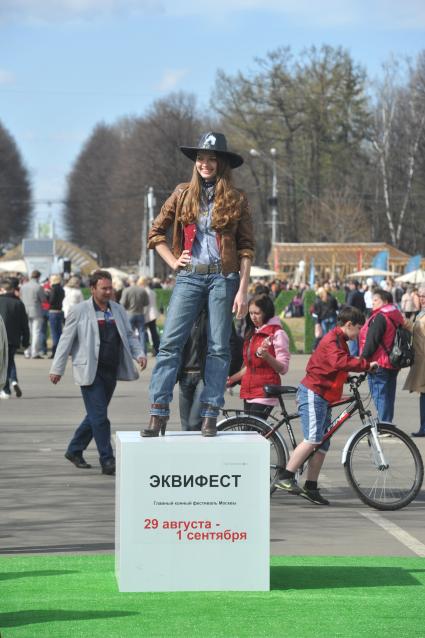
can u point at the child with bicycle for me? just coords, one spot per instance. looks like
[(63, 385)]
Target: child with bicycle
[(265, 356), (326, 372)]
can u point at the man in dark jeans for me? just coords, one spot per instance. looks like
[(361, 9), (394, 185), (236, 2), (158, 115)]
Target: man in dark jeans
[(376, 340), (12, 310), (355, 297), (190, 375), (100, 340)]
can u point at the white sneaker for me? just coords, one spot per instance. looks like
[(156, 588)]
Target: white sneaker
[(17, 390), (4, 395)]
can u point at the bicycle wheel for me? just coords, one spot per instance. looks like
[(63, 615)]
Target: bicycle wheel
[(393, 486), (245, 423)]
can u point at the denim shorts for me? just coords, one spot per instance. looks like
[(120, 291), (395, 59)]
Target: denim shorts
[(315, 414)]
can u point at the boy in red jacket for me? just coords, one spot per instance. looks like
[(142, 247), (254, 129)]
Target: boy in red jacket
[(327, 371)]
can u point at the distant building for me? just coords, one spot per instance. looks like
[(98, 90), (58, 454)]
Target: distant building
[(47, 256), (332, 260)]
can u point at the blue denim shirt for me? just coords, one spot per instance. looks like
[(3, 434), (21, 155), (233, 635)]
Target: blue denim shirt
[(205, 248)]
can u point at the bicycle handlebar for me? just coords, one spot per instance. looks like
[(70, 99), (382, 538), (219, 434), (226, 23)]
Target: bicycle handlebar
[(357, 379)]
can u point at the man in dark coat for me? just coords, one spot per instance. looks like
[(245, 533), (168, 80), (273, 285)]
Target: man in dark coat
[(12, 310), (354, 297)]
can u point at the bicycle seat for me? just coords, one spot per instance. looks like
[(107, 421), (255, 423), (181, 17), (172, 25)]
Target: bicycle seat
[(278, 390)]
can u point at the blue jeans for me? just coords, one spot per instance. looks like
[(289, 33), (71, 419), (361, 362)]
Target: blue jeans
[(353, 347), (43, 332), (137, 322), (315, 415), (328, 324), (422, 411), (56, 322), (190, 390), (151, 326), (11, 368), (382, 385), (191, 293), (96, 423)]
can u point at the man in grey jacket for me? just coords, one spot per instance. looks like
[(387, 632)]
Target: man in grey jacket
[(99, 338), (135, 300), (33, 295)]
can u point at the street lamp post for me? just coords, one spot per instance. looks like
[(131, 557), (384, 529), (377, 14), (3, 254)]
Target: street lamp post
[(151, 208), (273, 199), (148, 217)]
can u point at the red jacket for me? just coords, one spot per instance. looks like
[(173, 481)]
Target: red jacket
[(258, 372), (328, 367)]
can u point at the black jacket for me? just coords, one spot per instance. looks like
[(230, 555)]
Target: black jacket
[(56, 296), (15, 319), (326, 309), (355, 298)]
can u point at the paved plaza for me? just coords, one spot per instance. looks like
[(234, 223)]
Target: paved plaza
[(48, 505)]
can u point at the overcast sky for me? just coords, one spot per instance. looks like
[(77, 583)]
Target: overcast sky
[(66, 65)]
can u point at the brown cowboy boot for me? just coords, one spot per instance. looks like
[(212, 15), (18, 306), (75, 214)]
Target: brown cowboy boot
[(157, 423), (209, 426)]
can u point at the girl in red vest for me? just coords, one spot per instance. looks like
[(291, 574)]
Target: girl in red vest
[(265, 355)]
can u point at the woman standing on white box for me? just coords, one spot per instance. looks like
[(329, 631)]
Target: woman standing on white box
[(212, 251)]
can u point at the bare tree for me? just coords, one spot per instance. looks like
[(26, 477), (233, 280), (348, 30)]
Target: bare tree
[(105, 205), (90, 202), (399, 130), (314, 111), (342, 218)]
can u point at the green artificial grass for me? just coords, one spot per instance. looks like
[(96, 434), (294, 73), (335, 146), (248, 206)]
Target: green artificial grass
[(76, 595)]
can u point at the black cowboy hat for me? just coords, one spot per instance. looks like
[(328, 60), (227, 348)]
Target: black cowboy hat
[(216, 143)]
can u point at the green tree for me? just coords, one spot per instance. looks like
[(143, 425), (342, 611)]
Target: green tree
[(314, 111), (15, 192), (91, 209)]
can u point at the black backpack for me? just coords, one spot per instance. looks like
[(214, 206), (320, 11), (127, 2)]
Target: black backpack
[(401, 354)]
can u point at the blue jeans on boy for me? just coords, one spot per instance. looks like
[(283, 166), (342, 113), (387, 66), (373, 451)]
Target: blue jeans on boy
[(192, 292), (382, 385), (96, 423)]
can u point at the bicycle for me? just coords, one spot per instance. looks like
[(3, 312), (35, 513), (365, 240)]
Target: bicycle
[(382, 463)]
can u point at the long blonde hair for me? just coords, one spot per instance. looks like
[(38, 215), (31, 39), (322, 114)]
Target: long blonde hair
[(227, 199)]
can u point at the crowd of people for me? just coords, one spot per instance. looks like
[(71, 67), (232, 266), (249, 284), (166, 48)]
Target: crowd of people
[(259, 354), (220, 329)]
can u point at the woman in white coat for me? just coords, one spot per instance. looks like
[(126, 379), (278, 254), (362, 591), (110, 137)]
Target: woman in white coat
[(415, 381), (73, 295)]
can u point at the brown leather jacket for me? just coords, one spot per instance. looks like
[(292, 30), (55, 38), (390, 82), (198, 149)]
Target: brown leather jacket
[(235, 241)]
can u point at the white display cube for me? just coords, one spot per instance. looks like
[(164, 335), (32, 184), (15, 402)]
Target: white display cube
[(192, 512)]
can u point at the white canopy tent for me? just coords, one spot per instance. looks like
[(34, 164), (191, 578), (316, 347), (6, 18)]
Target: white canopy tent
[(116, 272), (414, 277), (13, 265), (372, 272), (256, 271)]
